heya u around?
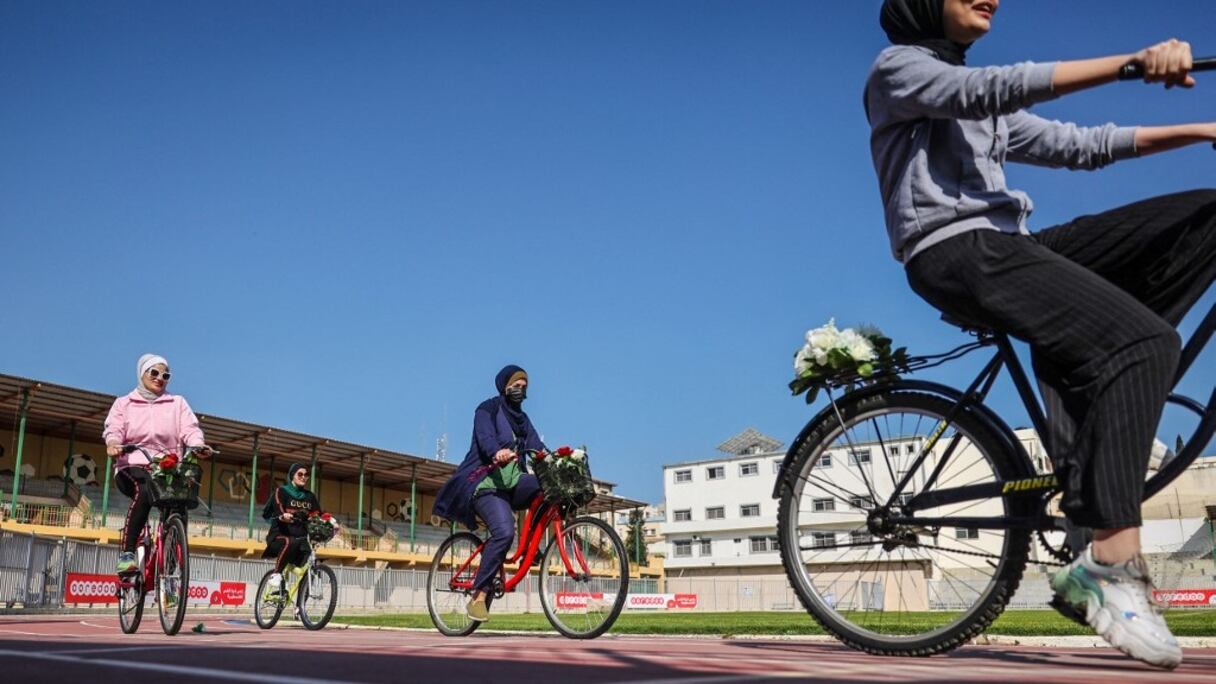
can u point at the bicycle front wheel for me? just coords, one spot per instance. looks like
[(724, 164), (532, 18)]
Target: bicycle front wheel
[(173, 576), (449, 584), (317, 596), (902, 589), (584, 579), (267, 604), (131, 603)]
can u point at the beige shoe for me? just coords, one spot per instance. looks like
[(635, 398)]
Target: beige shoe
[(478, 610)]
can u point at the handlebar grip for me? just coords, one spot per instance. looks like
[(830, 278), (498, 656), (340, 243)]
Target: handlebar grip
[(1132, 70)]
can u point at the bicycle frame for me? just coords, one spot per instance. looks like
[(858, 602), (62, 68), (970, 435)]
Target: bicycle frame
[(1032, 485), (541, 515)]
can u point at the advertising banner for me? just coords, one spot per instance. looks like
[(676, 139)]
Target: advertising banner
[(1187, 597), (576, 600)]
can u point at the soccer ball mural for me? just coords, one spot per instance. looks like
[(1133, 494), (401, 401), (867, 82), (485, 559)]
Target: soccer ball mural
[(81, 470)]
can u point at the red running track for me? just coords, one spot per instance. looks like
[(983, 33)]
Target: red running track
[(91, 649)]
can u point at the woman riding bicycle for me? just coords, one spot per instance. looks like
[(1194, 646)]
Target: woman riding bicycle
[(1097, 298), (288, 511), (493, 481), (159, 422)]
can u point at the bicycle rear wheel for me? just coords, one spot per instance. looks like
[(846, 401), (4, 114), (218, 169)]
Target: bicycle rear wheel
[(173, 576), (584, 578), (317, 596), (899, 589), (131, 604), (449, 584), (268, 605)]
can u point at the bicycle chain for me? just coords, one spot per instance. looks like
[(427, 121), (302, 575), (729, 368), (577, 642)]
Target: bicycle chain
[(983, 555)]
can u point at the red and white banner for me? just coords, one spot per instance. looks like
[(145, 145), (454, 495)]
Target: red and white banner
[(79, 587), (86, 588), (212, 593), (1187, 597), (577, 600)]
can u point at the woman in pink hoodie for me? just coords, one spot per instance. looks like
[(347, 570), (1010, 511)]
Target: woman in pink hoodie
[(159, 422)]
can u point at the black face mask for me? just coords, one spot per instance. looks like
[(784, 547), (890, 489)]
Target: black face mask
[(517, 394)]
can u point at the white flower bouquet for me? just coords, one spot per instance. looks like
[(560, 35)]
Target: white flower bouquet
[(843, 357), (565, 475)]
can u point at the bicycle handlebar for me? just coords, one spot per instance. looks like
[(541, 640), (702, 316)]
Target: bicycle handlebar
[(1132, 71)]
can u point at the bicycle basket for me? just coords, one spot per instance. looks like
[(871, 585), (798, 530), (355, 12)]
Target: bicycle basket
[(564, 481), (319, 531), (179, 488)]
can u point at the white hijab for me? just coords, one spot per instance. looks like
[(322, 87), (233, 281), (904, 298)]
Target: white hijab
[(145, 362)]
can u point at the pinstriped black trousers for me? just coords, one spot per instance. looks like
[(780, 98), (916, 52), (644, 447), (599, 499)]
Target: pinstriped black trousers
[(1097, 299)]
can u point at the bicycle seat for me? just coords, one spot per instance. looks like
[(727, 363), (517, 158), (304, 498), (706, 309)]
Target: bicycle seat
[(968, 326)]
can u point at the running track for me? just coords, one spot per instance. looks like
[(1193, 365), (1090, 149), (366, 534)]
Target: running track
[(43, 648)]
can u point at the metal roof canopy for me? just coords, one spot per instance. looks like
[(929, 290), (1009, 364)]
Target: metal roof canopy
[(53, 408)]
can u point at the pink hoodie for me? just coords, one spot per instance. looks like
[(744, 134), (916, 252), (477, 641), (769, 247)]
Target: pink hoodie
[(161, 426)]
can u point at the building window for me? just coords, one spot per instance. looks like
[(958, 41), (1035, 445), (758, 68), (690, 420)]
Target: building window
[(825, 460), (862, 502), (776, 466), (911, 449), (966, 533), (706, 547), (904, 499), (683, 476), (715, 513), (893, 450), (858, 537), (763, 544), (859, 457), (746, 469), (821, 505), (820, 540), (749, 511), (682, 516), (715, 472), (682, 548)]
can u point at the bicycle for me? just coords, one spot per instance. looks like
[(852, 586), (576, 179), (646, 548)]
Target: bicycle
[(164, 558), (898, 585), (313, 588), (583, 572)]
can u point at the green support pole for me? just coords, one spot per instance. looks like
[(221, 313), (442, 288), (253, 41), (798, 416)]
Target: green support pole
[(211, 496), (362, 460), (637, 540), (413, 504), (68, 460), (253, 485), (312, 473), (320, 481), (25, 408), (105, 491)]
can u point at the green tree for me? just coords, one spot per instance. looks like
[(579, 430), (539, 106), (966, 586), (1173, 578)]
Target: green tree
[(635, 538)]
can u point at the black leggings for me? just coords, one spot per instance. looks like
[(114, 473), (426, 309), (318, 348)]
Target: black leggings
[(133, 482), (287, 551), (1098, 300)]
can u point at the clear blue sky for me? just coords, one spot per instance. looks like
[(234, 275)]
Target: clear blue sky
[(344, 218)]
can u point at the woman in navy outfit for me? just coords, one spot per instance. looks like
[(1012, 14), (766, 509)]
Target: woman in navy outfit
[(493, 481)]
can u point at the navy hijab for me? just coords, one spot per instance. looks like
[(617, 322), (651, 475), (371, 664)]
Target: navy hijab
[(921, 22), (515, 414)]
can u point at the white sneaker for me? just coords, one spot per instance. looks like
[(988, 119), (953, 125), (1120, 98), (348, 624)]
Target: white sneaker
[(274, 583), (1116, 601)]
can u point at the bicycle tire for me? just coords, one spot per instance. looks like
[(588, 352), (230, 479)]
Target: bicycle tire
[(318, 575), (604, 552), (445, 605), (907, 635), (131, 605), (266, 609), (173, 576)]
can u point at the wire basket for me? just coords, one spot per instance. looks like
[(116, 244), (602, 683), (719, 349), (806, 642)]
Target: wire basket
[(178, 488), (565, 481), (320, 531)]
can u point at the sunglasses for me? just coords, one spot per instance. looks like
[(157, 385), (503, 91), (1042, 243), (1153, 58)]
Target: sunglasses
[(157, 374)]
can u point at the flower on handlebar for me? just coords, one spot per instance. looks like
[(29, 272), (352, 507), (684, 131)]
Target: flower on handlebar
[(167, 462), (833, 356), (566, 456), (322, 526)]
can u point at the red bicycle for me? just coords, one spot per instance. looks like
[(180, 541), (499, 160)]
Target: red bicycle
[(164, 558), (583, 574)]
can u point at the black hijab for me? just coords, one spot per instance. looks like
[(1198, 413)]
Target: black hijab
[(920, 22), (514, 411)]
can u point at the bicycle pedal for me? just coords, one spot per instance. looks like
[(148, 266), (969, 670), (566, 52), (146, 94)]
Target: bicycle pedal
[(1068, 611)]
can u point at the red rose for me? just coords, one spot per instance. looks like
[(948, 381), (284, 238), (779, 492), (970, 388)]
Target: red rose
[(539, 456), (326, 517), (169, 462), (564, 451)]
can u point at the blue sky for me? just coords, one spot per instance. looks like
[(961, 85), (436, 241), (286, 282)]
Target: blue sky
[(344, 218)]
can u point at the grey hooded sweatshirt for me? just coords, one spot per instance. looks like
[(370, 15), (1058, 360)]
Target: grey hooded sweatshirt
[(940, 135)]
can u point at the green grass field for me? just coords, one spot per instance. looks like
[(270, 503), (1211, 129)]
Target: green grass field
[(1011, 623)]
